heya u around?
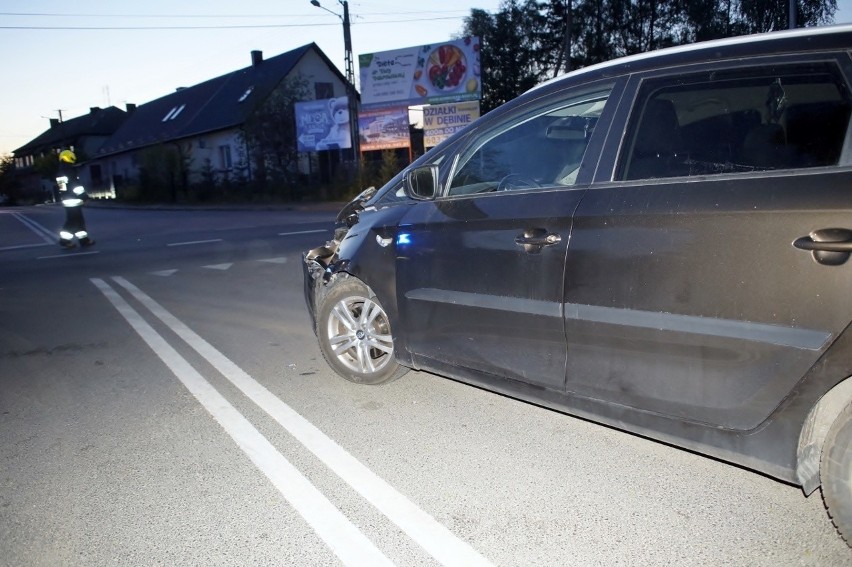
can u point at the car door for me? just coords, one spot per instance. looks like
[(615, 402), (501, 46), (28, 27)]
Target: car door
[(695, 283), (480, 270)]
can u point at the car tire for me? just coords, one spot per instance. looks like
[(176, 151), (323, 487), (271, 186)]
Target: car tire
[(355, 336), (836, 473)]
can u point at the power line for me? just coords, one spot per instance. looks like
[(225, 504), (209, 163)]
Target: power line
[(171, 16), (221, 27)]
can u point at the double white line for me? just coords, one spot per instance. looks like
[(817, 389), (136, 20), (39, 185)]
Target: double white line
[(350, 545), (47, 236)]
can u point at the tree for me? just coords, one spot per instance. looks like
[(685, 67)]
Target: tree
[(769, 15), (270, 134), (389, 167), (163, 171), (511, 57), (523, 43), (47, 165), (9, 186)]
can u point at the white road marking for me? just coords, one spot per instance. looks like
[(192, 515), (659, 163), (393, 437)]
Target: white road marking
[(431, 535), (164, 273), (18, 247), (303, 232), (222, 267), (346, 541), (191, 243), (68, 255), (281, 260), (46, 235)]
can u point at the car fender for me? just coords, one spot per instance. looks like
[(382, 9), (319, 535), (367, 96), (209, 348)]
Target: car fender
[(814, 431), (372, 242)]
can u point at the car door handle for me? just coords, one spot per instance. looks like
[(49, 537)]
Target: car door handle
[(530, 238), (830, 246)]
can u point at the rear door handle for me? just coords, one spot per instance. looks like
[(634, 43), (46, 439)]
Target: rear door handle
[(830, 246)]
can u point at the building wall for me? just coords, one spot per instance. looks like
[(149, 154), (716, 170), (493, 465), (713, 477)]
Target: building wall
[(312, 67), (221, 154)]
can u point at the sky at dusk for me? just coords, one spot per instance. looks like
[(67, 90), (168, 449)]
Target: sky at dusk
[(114, 53)]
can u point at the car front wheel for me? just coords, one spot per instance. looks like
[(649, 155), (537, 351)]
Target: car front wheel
[(355, 335), (836, 473)]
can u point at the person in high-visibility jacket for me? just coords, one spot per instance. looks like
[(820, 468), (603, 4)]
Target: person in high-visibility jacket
[(72, 194)]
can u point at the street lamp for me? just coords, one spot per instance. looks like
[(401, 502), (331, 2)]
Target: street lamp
[(350, 73)]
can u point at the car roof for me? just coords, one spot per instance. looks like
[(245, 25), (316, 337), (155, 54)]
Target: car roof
[(801, 39)]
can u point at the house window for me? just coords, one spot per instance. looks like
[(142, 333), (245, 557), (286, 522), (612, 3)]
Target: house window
[(246, 94), (225, 157), (323, 90), (173, 113)]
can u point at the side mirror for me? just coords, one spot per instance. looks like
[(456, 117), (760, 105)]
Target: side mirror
[(421, 183)]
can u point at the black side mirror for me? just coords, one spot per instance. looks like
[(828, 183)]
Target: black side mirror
[(421, 183)]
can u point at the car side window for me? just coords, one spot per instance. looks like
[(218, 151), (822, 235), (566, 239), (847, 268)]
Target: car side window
[(538, 150), (749, 119)]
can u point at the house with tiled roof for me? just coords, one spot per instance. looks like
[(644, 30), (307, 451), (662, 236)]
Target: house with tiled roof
[(85, 134), (203, 123)]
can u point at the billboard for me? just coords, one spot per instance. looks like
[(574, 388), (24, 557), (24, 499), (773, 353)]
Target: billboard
[(323, 125), (442, 121), (426, 74), (384, 128)]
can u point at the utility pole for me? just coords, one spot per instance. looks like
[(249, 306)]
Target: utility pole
[(566, 44), (350, 87), (351, 93), (568, 37)]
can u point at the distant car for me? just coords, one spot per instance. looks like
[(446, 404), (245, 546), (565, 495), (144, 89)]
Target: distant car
[(659, 243)]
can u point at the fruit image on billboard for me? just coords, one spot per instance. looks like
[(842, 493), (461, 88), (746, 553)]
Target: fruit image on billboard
[(426, 74)]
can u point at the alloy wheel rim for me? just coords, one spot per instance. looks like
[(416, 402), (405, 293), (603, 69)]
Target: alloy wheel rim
[(359, 335)]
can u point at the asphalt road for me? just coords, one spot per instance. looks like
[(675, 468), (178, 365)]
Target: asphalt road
[(163, 402)]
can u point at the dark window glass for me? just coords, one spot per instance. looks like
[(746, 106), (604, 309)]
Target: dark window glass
[(753, 119), (542, 150), (323, 91)]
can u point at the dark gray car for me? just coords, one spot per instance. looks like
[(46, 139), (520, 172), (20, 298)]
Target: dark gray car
[(660, 243)]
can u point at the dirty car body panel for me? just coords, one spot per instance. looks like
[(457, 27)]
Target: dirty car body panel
[(659, 244)]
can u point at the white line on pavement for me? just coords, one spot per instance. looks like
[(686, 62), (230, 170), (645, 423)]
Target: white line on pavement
[(68, 255), (195, 242), (343, 537), (20, 246), (45, 234), (431, 535), (302, 232)]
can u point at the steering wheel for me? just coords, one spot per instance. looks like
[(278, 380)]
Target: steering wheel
[(516, 181)]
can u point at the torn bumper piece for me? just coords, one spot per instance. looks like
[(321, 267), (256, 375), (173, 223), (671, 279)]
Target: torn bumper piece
[(318, 265)]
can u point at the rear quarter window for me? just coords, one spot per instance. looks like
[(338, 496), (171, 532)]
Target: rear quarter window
[(744, 120)]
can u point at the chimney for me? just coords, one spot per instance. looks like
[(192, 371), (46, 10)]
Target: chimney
[(130, 107), (94, 109), (256, 58), (54, 122)]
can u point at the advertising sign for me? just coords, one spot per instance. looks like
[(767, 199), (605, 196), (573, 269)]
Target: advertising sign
[(323, 125), (427, 74), (442, 121), (384, 128)]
